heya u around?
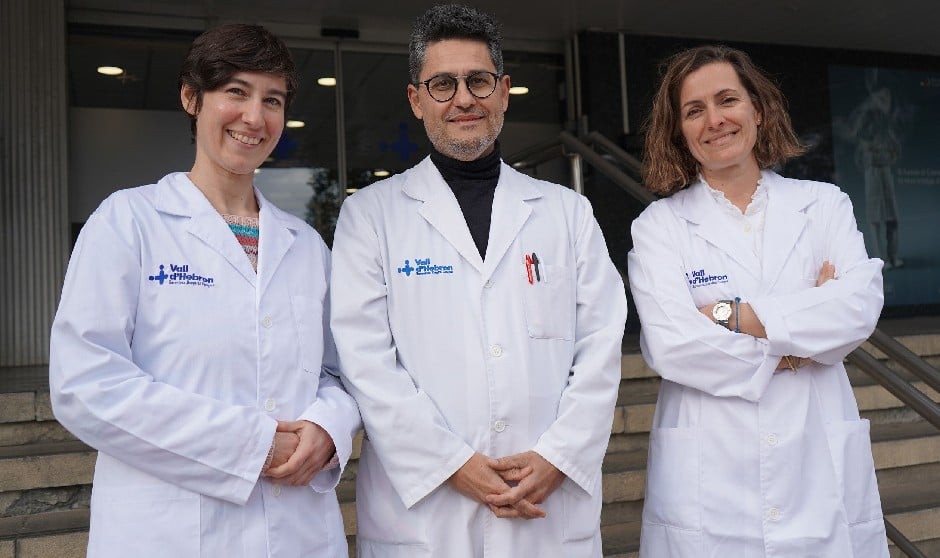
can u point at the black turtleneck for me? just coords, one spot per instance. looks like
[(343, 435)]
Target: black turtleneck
[(473, 184)]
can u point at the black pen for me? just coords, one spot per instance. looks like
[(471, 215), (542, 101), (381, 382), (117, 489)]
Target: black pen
[(535, 262)]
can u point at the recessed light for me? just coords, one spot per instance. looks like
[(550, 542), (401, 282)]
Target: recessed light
[(381, 173), (352, 190), (518, 90), (327, 81), (110, 70), (295, 124)]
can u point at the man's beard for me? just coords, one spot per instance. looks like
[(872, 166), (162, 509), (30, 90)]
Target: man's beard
[(464, 150)]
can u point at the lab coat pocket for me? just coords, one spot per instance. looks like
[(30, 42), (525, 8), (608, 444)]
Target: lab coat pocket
[(549, 304), (144, 521), (385, 527), (308, 320), (582, 512), (672, 484), (850, 447)]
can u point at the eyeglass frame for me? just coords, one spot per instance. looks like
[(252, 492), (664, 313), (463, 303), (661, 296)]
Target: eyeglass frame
[(426, 83)]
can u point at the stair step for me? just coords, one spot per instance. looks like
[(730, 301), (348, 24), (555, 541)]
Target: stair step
[(621, 540), (33, 432), (912, 508), (905, 444), (44, 523), (624, 476), (62, 545), (25, 406), (32, 466)]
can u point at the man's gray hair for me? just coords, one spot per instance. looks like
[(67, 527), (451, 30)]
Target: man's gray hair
[(453, 21)]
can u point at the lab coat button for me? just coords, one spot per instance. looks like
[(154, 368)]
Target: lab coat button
[(267, 322), (496, 350), (499, 426), (269, 405), (747, 228), (488, 284), (277, 490), (771, 440), (773, 514)]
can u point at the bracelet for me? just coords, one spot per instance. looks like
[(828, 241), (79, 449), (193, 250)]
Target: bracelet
[(737, 322), (790, 363), (270, 457)]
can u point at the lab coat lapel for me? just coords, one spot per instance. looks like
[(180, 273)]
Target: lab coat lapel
[(510, 212), (182, 197), (783, 226), (441, 210), (698, 207), (275, 236)]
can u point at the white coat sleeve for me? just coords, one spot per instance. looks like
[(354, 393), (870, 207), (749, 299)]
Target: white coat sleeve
[(577, 441), (334, 409), (679, 342), (417, 448), (104, 398), (826, 323)]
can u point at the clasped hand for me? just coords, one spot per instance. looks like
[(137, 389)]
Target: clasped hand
[(301, 450), (512, 486)]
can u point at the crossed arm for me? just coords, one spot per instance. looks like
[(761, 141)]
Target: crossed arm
[(748, 322)]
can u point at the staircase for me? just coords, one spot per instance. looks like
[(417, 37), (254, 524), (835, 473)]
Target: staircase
[(45, 474)]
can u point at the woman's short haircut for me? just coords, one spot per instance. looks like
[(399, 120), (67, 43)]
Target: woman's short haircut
[(221, 52), (669, 165)]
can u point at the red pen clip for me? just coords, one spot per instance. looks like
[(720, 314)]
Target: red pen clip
[(528, 267)]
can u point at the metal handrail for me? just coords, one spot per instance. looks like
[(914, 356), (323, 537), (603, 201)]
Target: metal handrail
[(896, 385), (907, 358), (549, 149), (536, 154), (908, 394), (903, 543), (606, 168), (631, 162)]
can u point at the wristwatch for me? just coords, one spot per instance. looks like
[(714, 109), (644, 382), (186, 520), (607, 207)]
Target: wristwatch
[(722, 313)]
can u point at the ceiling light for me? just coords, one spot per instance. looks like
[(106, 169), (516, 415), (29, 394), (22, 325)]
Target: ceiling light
[(110, 70), (518, 90), (352, 190), (381, 173), (295, 124), (327, 81)]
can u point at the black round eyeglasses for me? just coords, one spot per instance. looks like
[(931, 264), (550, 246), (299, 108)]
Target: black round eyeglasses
[(443, 87)]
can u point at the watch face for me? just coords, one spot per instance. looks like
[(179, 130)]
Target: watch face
[(721, 311)]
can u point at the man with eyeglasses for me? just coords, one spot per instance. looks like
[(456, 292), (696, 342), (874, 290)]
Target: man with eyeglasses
[(478, 319)]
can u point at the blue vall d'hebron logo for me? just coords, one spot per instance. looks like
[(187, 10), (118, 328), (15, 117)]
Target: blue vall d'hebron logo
[(701, 279), (180, 275), (424, 267)]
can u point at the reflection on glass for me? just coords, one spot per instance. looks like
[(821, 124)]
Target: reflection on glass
[(301, 178), (381, 131)]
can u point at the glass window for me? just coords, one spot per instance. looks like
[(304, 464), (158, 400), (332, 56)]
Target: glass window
[(382, 134), (301, 175)]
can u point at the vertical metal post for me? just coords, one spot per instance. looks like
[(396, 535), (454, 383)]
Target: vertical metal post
[(341, 172), (624, 103), (571, 114), (576, 63), (577, 176)]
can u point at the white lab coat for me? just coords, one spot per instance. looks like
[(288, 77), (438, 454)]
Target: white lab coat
[(178, 383), (448, 354), (744, 462)]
